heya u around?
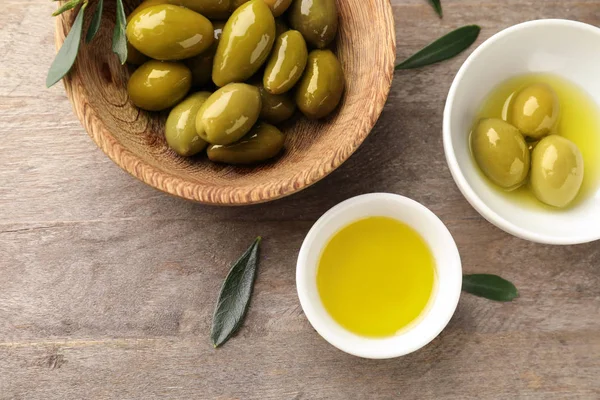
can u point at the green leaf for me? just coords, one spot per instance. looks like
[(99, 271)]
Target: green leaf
[(437, 5), (119, 44), (444, 48), (95, 24), (491, 287), (66, 7), (235, 296), (65, 58)]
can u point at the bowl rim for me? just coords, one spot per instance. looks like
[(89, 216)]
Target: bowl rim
[(219, 195), (489, 214)]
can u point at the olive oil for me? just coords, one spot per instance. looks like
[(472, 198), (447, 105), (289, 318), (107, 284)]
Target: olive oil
[(579, 122), (376, 276)]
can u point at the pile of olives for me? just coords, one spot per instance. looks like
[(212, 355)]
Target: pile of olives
[(261, 70), (528, 147)]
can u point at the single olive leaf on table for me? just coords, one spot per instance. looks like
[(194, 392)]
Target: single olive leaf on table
[(119, 45), (437, 6), (95, 24), (491, 287), (444, 48), (68, 52), (234, 298)]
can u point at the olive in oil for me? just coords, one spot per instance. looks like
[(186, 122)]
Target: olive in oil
[(376, 276), (579, 121)]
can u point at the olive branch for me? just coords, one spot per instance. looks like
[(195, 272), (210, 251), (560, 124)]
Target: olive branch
[(65, 58)]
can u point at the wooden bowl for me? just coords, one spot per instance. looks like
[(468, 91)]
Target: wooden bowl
[(134, 139)]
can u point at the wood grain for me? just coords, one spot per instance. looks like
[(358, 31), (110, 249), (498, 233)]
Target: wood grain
[(107, 286), (134, 139)]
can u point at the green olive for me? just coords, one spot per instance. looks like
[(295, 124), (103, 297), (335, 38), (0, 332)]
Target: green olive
[(134, 56), (246, 42), (159, 85), (317, 20), (535, 110), (322, 85), (556, 171), (280, 27), (180, 129), (276, 108), (167, 32), (213, 9), (202, 65), (278, 7), (501, 152), (287, 63), (229, 113), (146, 4), (263, 142)]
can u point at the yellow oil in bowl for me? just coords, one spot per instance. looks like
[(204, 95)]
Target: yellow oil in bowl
[(376, 276)]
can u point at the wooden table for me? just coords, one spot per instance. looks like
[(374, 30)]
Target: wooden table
[(107, 286)]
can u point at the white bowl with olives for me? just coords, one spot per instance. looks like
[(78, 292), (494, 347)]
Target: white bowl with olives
[(522, 131)]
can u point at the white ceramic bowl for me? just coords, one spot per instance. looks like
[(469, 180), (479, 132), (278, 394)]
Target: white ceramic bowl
[(566, 48), (448, 280)]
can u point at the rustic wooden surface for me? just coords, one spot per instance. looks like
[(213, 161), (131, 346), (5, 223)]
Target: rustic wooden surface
[(107, 286)]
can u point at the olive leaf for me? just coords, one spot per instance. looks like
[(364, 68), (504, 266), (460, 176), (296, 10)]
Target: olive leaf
[(444, 48), (119, 45), (234, 298), (491, 287), (437, 5), (95, 24), (68, 52), (69, 5)]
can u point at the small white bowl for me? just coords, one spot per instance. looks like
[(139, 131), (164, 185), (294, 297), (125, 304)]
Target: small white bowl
[(565, 48), (444, 299)]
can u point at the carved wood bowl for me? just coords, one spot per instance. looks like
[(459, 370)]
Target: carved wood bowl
[(134, 139)]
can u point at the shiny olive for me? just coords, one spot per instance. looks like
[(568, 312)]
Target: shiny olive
[(278, 7), (213, 9), (287, 63), (229, 113), (201, 65), (317, 20), (535, 110), (556, 171), (322, 85), (159, 85), (246, 42), (145, 4), (167, 32), (276, 108), (134, 56), (180, 129), (264, 141), (280, 27), (501, 152)]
